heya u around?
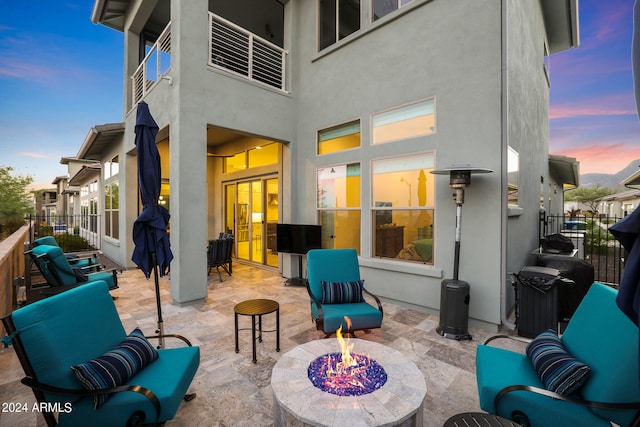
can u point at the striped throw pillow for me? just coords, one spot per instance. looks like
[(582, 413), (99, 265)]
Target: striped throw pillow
[(342, 292), (116, 367), (559, 371)]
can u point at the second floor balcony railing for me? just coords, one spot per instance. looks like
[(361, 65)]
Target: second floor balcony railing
[(154, 65), (241, 52), (231, 48)]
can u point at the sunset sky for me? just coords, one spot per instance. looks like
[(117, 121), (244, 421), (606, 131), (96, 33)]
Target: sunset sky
[(60, 75), (593, 115)]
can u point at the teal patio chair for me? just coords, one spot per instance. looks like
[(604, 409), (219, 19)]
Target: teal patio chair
[(60, 275), (81, 328), (336, 291), (599, 336), (84, 261)]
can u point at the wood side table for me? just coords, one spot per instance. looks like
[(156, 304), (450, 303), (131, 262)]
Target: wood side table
[(253, 308)]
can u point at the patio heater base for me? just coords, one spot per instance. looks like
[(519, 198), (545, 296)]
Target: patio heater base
[(454, 310)]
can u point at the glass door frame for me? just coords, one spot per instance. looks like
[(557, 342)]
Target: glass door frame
[(257, 244)]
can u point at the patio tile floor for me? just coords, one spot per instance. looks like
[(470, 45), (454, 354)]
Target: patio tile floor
[(232, 391)]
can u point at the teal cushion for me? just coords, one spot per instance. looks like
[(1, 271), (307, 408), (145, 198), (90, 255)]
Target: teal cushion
[(107, 276), (168, 378), (362, 315), (497, 368), (117, 366), (559, 371), (599, 334), (342, 292)]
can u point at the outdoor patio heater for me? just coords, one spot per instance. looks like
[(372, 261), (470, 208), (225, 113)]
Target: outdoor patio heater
[(454, 293)]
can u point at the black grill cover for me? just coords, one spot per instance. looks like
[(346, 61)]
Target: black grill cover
[(569, 294)]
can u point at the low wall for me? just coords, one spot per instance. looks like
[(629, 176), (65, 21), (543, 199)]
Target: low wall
[(11, 266)]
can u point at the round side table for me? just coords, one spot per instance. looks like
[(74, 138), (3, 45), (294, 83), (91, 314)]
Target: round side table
[(257, 308)]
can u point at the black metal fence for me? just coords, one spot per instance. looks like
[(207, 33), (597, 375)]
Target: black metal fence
[(72, 232), (594, 243)]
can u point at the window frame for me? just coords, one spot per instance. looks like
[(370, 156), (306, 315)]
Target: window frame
[(399, 5), (337, 37), (320, 209), (337, 127), (398, 110), (111, 181), (410, 207)]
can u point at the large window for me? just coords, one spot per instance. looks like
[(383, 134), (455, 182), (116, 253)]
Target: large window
[(89, 207), (261, 155), (111, 198), (404, 122), (403, 207), (384, 7), (337, 19), (513, 170), (338, 202), (338, 138)]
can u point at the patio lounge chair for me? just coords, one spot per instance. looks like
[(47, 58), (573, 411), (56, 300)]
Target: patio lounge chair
[(603, 342), (60, 275), (59, 339), (76, 260), (336, 291), (219, 252)]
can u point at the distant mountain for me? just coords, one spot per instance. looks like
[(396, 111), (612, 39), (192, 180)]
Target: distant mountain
[(608, 179)]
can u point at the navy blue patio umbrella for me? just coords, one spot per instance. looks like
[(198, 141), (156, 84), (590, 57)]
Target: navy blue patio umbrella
[(152, 249)]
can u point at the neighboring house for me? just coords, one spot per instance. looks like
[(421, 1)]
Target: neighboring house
[(47, 205), (94, 173), (623, 203), (335, 113), (619, 204)]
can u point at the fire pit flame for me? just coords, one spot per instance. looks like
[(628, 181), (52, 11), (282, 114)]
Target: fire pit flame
[(346, 373)]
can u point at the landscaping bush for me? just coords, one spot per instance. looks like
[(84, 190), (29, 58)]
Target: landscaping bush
[(72, 243)]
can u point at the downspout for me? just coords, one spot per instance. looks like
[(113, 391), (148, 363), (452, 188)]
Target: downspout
[(503, 188)]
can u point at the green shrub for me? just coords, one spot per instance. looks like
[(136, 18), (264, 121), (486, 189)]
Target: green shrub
[(72, 243)]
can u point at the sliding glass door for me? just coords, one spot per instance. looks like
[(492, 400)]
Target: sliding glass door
[(252, 212)]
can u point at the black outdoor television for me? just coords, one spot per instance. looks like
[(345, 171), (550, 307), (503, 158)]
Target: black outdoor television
[(298, 238)]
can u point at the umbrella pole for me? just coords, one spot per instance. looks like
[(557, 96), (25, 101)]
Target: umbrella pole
[(160, 330)]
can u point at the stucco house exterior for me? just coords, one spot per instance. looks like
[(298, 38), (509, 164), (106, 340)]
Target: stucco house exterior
[(335, 113)]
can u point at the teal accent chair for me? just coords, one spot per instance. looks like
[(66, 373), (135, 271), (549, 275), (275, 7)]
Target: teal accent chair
[(339, 265), (51, 335), (84, 261), (61, 275), (600, 336)]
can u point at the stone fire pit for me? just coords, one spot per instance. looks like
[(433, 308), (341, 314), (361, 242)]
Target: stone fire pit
[(297, 402)]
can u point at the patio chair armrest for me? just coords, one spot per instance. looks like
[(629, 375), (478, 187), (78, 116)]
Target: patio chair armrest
[(621, 406), (314, 300), (510, 337), (375, 297), (35, 385), (180, 337)]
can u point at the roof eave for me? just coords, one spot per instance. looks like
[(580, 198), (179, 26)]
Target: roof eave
[(562, 24)]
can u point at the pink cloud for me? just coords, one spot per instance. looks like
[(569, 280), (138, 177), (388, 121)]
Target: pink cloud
[(608, 105), (602, 158), (33, 155), (11, 67)]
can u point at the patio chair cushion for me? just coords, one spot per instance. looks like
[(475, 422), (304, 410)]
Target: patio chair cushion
[(342, 292), (362, 316), (81, 324), (559, 371), (116, 367), (497, 368)]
